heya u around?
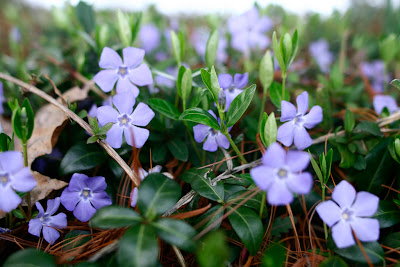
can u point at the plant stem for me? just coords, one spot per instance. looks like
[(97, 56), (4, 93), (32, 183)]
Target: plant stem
[(28, 195), (323, 199), (283, 84), (264, 194), (9, 220), (235, 148), (23, 212)]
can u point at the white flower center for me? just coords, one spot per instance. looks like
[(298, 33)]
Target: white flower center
[(3, 179), (282, 173), (213, 131), (345, 216), (86, 193), (123, 71), (124, 120)]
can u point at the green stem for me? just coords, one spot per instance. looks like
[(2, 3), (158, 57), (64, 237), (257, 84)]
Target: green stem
[(283, 84), (264, 194), (235, 148), (323, 199), (28, 195), (23, 212), (193, 143), (264, 99)]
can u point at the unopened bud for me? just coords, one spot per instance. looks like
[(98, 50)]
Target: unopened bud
[(24, 116), (221, 99)]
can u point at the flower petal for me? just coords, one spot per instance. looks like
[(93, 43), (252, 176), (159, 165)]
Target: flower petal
[(365, 205), (134, 197), (313, 117), (35, 227), (23, 180), (84, 211), (263, 176), (297, 160), (288, 111), (275, 156), (366, 229), (141, 75), (40, 209), (156, 169), (342, 235), (52, 205), (225, 80), (210, 144), (278, 194), (9, 200), (142, 115), (300, 183), (59, 221), (200, 132), (382, 101), (97, 183), (302, 139), (11, 161), (77, 182), (136, 136), (100, 200), (329, 212), (286, 133), (70, 199), (344, 194), (109, 59), (124, 102), (50, 234), (132, 56), (125, 85), (240, 80), (106, 114), (114, 136), (106, 79), (222, 141), (302, 103)]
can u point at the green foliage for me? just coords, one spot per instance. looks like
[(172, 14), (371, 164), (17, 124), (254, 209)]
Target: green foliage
[(212, 251), (211, 48), (99, 133), (114, 217), (86, 16), (239, 105), (164, 107), (274, 256), (266, 71), (269, 129), (176, 232), (30, 257), (201, 116)]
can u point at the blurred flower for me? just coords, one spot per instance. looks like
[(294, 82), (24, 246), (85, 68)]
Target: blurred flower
[(13, 176), (319, 50), (2, 98), (15, 34), (249, 31), (126, 121), (199, 39), (297, 122), (232, 86), (149, 37), (47, 222), (4, 230), (382, 101), (214, 137), (128, 73), (347, 212), (44, 163), (85, 195), (280, 174), (375, 72)]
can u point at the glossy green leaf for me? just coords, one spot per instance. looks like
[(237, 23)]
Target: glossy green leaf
[(388, 214), (333, 261), (276, 94), (176, 232), (262, 127), (286, 49), (277, 52), (316, 167), (176, 47), (136, 27), (138, 247), (348, 159), (270, 130), (349, 121), (86, 16), (30, 257), (199, 95), (179, 149), (275, 256), (124, 28), (211, 216), (211, 48), (186, 84), (114, 217), (194, 174), (369, 127), (295, 45), (396, 83), (5, 141), (164, 107), (213, 251), (210, 79), (266, 72), (204, 188), (239, 105), (201, 116), (252, 203)]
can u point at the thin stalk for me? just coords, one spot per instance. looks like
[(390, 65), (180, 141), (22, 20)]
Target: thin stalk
[(236, 149), (264, 194), (23, 212), (283, 84), (28, 195), (323, 199)]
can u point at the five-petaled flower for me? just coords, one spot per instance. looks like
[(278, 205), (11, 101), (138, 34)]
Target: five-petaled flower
[(279, 175), (297, 122), (214, 137), (232, 86), (129, 72), (13, 176), (84, 195), (126, 121), (48, 222), (347, 212)]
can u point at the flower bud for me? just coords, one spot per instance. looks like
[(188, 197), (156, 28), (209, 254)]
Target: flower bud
[(221, 99)]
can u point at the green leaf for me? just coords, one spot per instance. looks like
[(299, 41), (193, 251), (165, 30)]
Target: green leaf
[(199, 95), (276, 94), (266, 72), (281, 226), (71, 241), (157, 194), (136, 27), (349, 121), (81, 157), (186, 84), (31, 118), (333, 261), (164, 107), (211, 48), (210, 79), (179, 149), (213, 250), (212, 215), (270, 130), (138, 247), (193, 174), (388, 214), (286, 49), (176, 47), (239, 105), (114, 217), (396, 83), (92, 139), (392, 240), (5, 141), (30, 257), (248, 227), (252, 203), (181, 71), (295, 45), (275, 256), (328, 160), (201, 116), (86, 16), (204, 188), (347, 157), (316, 168), (176, 232), (124, 28), (277, 53), (18, 214), (262, 128), (369, 127)]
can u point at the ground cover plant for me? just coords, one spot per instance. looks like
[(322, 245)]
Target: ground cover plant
[(139, 139)]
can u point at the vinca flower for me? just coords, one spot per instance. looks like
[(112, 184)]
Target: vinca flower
[(297, 122), (48, 222), (127, 73), (149, 36), (84, 195), (13, 176), (93, 109), (214, 138), (279, 175), (2, 98), (126, 121), (349, 211), (232, 86), (319, 50), (382, 101), (375, 71)]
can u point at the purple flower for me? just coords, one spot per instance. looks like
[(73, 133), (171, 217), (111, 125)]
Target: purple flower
[(348, 212), (232, 86), (319, 50), (382, 101), (93, 109), (297, 122), (2, 98), (249, 31), (13, 176), (279, 174), (48, 222), (85, 195), (125, 121), (4, 230), (149, 37), (375, 72), (128, 73), (214, 137), (142, 174), (15, 34)]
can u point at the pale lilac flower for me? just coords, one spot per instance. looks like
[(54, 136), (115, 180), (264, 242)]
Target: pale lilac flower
[(319, 50), (128, 73), (297, 122), (232, 86), (375, 72), (84, 195), (149, 37), (279, 175), (214, 138), (249, 31), (199, 39), (93, 109), (126, 121), (2, 98), (349, 211), (382, 101), (142, 174), (13, 176), (48, 222)]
